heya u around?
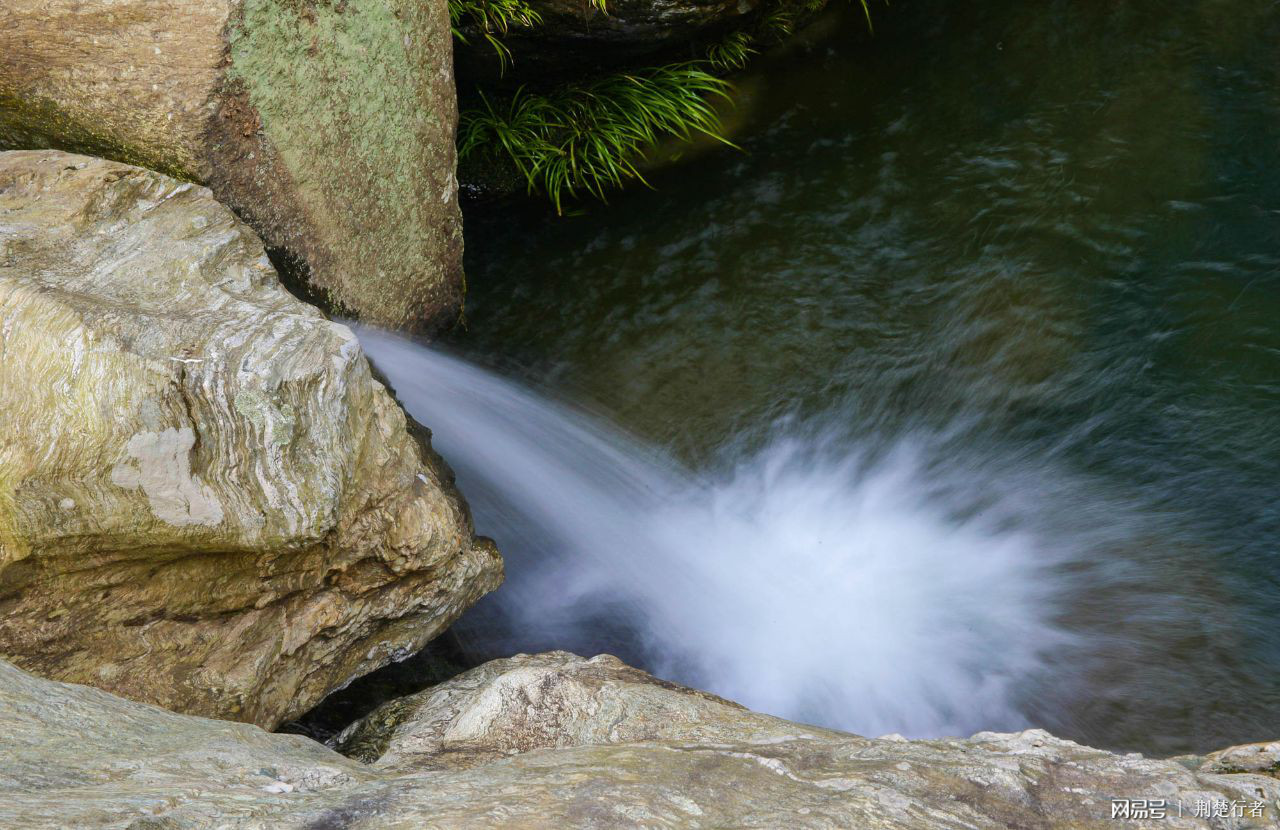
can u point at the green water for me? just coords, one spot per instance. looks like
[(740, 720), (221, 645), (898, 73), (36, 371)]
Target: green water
[(1044, 235)]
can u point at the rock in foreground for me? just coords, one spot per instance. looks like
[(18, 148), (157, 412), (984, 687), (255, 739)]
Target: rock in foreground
[(542, 701), (555, 741), (206, 500)]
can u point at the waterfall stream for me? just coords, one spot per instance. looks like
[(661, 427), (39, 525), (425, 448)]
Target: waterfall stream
[(871, 589)]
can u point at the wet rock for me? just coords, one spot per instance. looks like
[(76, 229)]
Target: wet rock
[(685, 758), (206, 500), (636, 26)]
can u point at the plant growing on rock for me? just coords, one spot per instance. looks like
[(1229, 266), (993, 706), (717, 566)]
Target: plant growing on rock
[(588, 137), (731, 53), (492, 19)]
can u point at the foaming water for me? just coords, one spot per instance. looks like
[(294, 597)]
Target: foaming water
[(848, 592), (872, 588)]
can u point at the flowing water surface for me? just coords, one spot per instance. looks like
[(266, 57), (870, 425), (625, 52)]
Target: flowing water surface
[(952, 402)]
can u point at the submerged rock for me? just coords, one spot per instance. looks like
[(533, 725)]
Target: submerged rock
[(589, 743), (206, 500), (328, 126)]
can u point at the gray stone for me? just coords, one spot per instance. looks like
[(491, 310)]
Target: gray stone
[(542, 701), (662, 757), (1261, 759)]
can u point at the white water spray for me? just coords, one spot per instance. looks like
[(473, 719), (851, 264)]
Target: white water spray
[(883, 595)]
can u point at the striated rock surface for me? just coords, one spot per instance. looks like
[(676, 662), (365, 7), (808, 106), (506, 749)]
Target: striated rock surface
[(78, 757), (206, 500), (539, 701), (328, 126)]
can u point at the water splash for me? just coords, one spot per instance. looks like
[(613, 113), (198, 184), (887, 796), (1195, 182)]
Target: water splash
[(876, 591)]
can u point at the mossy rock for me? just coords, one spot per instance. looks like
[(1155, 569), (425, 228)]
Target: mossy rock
[(328, 126)]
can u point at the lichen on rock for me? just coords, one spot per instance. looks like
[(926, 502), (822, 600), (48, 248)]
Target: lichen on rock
[(162, 468)]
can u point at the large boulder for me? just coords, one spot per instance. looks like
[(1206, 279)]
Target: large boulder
[(600, 757), (77, 757), (328, 126), (206, 500)]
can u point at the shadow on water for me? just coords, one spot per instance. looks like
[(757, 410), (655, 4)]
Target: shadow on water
[(952, 403)]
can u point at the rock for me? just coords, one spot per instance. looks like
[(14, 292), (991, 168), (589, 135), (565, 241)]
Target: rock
[(328, 126), (575, 38), (633, 25), (529, 702), (78, 757), (1261, 759), (206, 500)]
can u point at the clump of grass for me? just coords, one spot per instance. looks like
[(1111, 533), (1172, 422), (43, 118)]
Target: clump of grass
[(588, 138), (781, 19), (493, 19), (778, 24), (731, 53)]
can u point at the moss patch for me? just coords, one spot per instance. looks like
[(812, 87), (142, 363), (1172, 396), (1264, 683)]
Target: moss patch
[(34, 122), (356, 97)]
